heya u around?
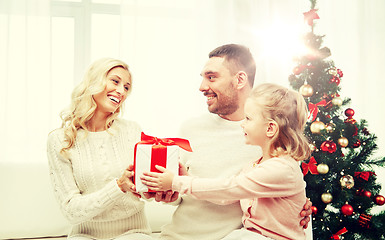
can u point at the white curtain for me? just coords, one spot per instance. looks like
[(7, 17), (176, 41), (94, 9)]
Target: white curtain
[(25, 70), (166, 44)]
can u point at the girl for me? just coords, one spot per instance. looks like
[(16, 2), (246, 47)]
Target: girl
[(271, 189), (88, 156)]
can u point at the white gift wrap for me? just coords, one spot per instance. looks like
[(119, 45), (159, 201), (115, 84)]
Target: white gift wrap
[(143, 163)]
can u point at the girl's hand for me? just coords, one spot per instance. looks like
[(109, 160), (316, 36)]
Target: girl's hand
[(158, 181)]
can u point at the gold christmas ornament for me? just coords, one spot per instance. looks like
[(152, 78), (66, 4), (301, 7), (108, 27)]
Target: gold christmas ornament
[(317, 126), (322, 168), (347, 181), (337, 101), (306, 90), (312, 147), (343, 141), (330, 127), (333, 71), (326, 197)]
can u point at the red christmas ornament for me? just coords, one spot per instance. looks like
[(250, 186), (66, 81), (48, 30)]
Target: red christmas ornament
[(357, 144), (349, 113), (335, 80), (379, 200), (297, 70), (367, 194), (362, 192), (328, 146), (340, 73), (347, 210), (314, 210)]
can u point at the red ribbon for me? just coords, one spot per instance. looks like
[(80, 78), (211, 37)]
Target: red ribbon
[(336, 236), (313, 109), (311, 166), (364, 175), (158, 157)]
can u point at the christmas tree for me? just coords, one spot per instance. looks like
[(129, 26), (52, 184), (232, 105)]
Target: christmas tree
[(341, 182)]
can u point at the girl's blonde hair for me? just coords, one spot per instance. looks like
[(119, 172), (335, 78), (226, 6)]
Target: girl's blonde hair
[(83, 105), (288, 109)]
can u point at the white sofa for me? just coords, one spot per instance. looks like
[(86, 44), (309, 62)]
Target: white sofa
[(28, 208)]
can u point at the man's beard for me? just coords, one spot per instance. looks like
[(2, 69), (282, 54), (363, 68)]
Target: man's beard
[(226, 104)]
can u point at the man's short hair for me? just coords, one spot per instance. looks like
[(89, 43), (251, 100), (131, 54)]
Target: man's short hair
[(238, 57)]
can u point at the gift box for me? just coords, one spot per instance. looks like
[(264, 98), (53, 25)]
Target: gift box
[(151, 151)]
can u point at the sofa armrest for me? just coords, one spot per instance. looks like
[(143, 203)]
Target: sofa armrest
[(27, 204)]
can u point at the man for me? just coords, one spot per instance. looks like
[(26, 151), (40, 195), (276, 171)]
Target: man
[(218, 144)]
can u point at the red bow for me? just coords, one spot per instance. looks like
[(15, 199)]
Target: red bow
[(336, 236), (311, 166), (364, 175), (313, 109), (183, 143)]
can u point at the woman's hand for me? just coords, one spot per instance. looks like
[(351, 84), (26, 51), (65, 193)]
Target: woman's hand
[(158, 181), (125, 182), (182, 170)]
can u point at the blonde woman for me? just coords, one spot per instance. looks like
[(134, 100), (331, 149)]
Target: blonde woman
[(271, 188), (89, 154)]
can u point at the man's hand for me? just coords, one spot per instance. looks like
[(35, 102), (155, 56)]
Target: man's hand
[(306, 213), (166, 197)]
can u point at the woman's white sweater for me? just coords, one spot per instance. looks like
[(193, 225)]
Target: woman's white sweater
[(85, 181)]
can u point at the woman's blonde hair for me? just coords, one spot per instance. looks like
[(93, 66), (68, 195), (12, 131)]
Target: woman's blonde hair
[(83, 105), (288, 109)]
